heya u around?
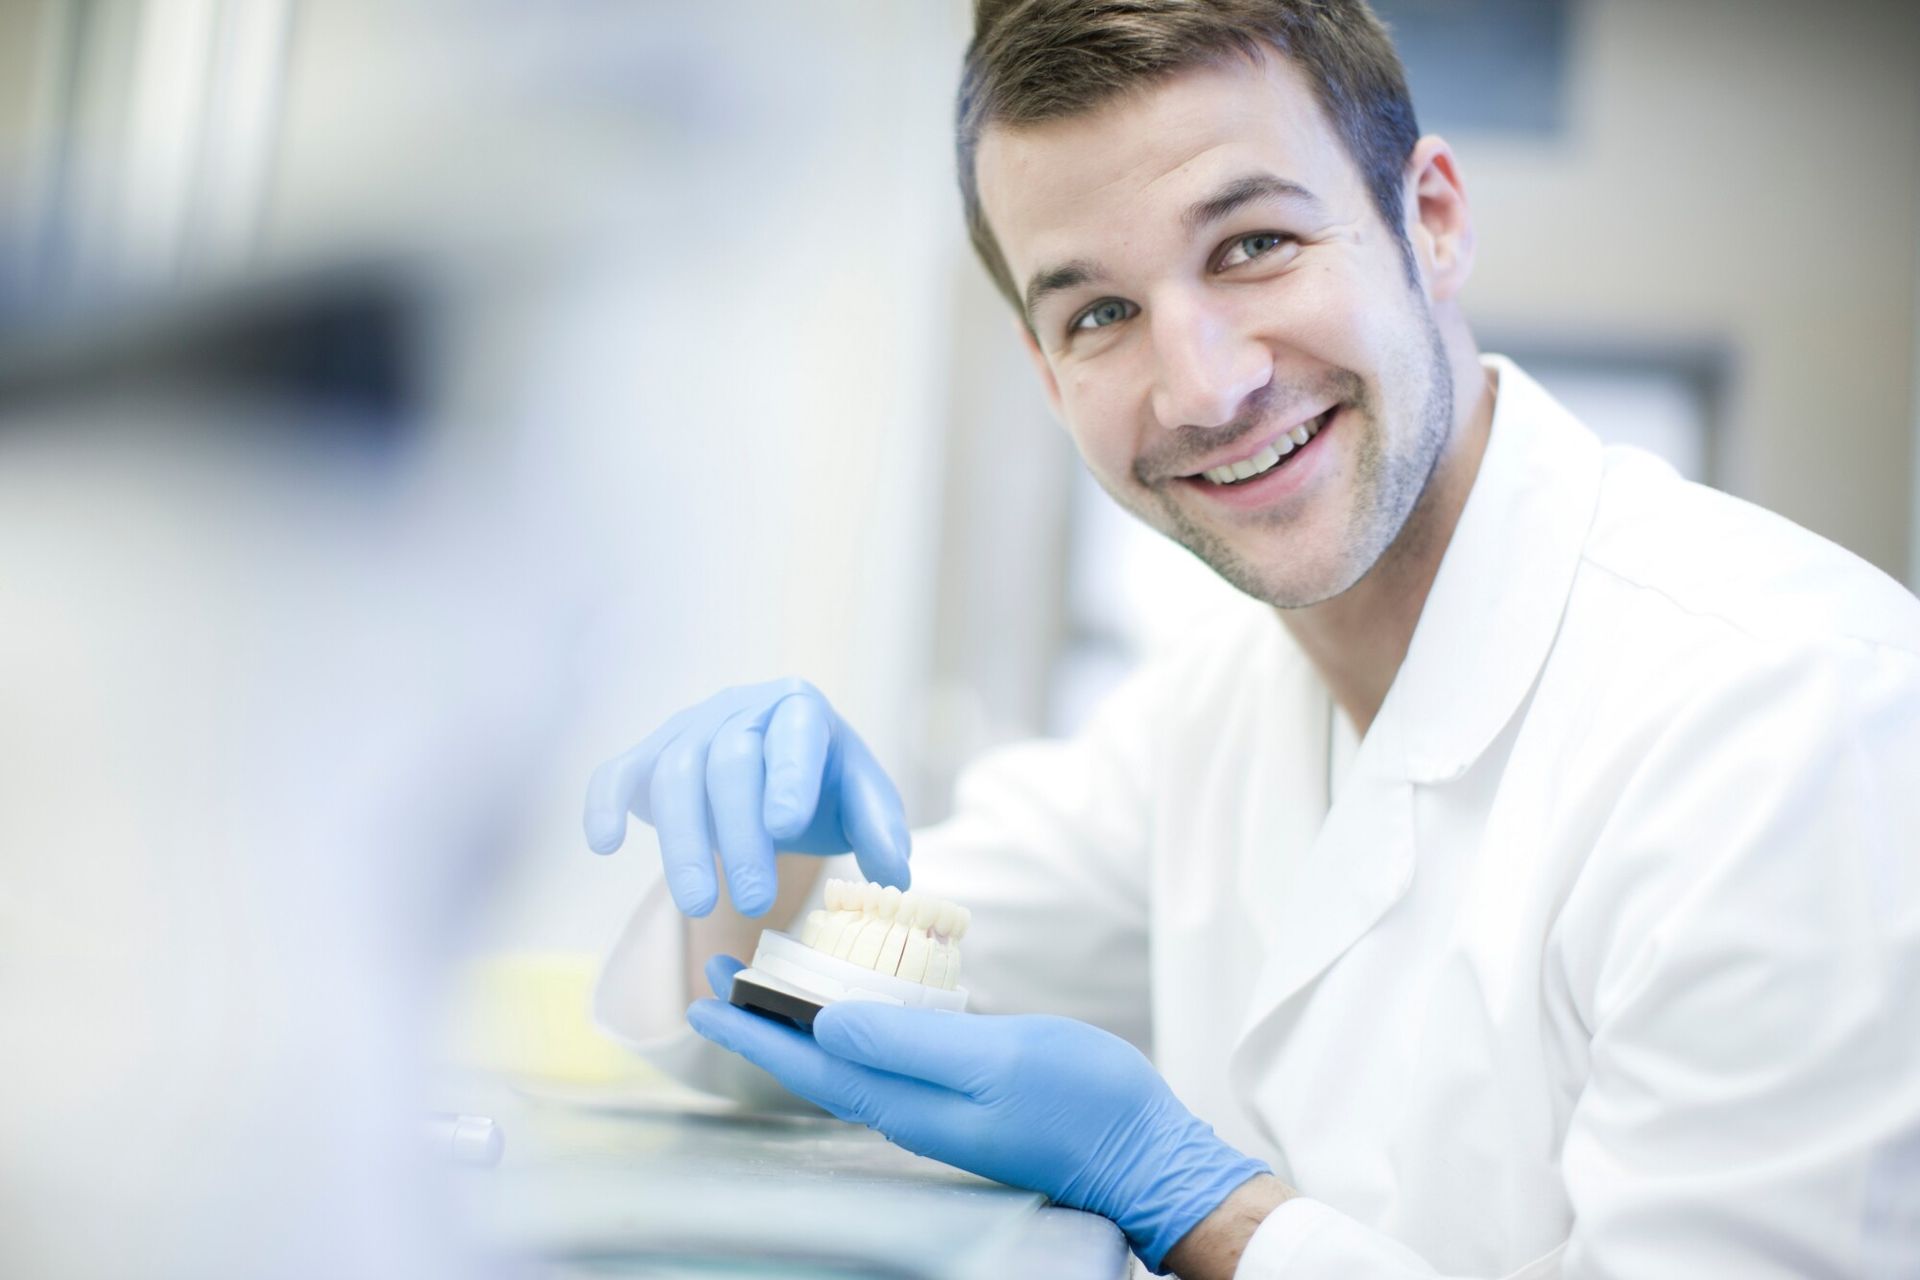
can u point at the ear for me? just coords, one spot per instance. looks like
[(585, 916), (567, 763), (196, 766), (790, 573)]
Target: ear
[(1048, 383), (1439, 223)]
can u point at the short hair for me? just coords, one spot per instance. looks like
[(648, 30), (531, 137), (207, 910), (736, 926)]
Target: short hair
[(1036, 60)]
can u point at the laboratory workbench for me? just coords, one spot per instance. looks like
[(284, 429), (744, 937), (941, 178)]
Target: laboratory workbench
[(670, 1186)]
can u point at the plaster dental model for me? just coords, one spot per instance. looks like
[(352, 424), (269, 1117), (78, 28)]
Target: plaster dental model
[(870, 943)]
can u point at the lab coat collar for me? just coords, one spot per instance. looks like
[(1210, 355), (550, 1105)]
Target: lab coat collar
[(1502, 588)]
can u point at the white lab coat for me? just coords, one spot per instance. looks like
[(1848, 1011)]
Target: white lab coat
[(1604, 959)]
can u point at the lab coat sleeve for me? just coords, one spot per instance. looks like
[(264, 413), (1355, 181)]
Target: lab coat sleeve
[(1744, 944)]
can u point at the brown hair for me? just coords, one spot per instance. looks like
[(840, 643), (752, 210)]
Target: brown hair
[(1037, 60)]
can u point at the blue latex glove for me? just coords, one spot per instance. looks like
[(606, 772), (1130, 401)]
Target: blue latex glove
[(748, 769), (1049, 1104)]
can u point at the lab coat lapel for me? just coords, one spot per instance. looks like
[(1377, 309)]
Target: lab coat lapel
[(1344, 880)]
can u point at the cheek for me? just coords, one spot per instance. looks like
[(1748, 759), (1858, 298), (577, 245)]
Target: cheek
[(1099, 422), (1334, 317)]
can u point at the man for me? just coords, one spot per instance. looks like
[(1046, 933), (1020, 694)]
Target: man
[(1526, 885)]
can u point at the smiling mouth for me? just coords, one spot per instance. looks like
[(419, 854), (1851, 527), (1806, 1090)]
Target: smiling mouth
[(1274, 455)]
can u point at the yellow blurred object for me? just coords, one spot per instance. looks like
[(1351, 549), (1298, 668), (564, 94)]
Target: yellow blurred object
[(529, 1015)]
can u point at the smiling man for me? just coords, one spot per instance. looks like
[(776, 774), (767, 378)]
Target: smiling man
[(1252, 357), (1523, 884)]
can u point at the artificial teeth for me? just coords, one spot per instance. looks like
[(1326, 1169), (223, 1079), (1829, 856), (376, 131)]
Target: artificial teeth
[(893, 947), (936, 973), (908, 935), (913, 950), (865, 951)]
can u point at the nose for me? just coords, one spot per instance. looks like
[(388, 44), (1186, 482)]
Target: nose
[(1206, 367)]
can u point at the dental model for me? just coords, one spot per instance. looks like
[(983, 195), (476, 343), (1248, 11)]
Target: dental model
[(871, 943)]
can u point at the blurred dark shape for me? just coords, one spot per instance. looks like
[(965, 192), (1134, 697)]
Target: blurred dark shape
[(346, 345), (1484, 66)]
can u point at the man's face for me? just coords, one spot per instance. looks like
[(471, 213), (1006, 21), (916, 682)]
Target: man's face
[(1208, 282)]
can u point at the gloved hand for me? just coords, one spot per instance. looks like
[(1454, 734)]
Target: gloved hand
[(1049, 1104), (751, 768)]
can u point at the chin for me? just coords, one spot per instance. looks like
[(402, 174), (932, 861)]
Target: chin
[(1296, 585), (1294, 592)]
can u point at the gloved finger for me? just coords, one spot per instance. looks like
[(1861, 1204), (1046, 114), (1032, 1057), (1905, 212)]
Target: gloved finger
[(619, 787), (720, 971), (679, 798), (835, 1085), (953, 1050), (736, 779), (874, 818), (798, 734)]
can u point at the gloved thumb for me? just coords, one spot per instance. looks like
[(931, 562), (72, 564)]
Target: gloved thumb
[(720, 970)]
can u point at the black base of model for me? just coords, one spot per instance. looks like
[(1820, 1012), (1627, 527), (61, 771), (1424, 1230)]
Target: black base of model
[(774, 1002)]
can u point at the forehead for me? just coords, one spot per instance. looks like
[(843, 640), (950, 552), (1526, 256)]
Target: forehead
[(1064, 188)]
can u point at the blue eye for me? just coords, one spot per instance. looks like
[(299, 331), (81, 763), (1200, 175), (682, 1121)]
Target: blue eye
[(1102, 314), (1247, 248)]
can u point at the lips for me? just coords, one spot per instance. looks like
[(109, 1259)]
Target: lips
[(1248, 463), (1271, 476)]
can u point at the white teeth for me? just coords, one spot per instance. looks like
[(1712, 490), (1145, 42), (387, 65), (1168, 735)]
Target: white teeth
[(938, 954), (893, 947), (1256, 464), (1259, 462), (832, 931), (866, 948), (913, 955), (1267, 457), (908, 935), (943, 965)]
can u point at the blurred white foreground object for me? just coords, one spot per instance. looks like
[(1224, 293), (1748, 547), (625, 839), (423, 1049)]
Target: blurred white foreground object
[(466, 1139)]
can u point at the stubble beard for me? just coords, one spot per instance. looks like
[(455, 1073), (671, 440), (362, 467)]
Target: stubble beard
[(1387, 488)]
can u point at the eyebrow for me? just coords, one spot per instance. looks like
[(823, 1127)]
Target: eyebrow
[(1068, 275), (1240, 192), (1232, 196)]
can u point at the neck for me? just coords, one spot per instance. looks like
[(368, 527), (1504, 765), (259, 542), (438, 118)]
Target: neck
[(1358, 639)]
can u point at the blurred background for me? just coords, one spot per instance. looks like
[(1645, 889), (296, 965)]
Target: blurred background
[(404, 406)]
